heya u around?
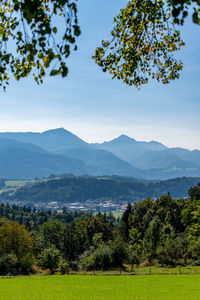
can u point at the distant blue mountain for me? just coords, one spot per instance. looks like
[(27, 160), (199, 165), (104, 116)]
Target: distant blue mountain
[(7, 144), (187, 155), (29, 154), (51, 140), (27, 161), (103, 162), (164, 159), (129, 149)]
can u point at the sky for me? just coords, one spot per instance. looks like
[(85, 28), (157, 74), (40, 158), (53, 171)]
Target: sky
[(96, 108)]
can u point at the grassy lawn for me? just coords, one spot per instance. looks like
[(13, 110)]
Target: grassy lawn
[(75, 287)]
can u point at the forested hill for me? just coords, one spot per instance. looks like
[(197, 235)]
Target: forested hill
[(82, 189)]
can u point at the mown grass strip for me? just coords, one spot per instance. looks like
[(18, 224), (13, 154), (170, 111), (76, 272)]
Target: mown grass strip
[(176, 287)]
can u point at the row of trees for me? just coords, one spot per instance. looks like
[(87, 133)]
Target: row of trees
[(164, 231), (32, 218)]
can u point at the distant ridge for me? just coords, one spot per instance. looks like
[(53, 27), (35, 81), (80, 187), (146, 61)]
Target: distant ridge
[(50, 140), (126, 140), (66, 152), (129, 149)]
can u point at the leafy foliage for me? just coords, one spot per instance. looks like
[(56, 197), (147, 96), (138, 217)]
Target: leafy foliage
[(180, 10), (16, 246), (31, 27), (50, 258), (142, 44)]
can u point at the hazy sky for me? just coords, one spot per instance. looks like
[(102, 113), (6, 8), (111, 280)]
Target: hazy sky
[(95, 107)]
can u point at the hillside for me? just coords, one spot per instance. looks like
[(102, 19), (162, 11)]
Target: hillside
[(95, 190), (27, 161), (103, 162)]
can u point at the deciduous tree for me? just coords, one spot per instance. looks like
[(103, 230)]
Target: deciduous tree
[(15, 248), (142, 45), (144, 41), (31, 41)]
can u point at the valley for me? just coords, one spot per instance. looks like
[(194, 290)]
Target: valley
[(89, 193)]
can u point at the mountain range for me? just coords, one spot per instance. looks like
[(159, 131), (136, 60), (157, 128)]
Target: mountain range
[(26, 155)]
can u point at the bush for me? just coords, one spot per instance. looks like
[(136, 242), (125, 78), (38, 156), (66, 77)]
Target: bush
[(63, 267), (87, 262), (147, 263), (8, 264), (99, 258), (25, 264), (119, 252), (170, 253), (49, 259)]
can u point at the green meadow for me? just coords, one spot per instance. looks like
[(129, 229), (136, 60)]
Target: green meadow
[(77, 287), (14, 183)]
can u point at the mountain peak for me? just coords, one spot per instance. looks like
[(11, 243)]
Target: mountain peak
[(60, 130), (59, 140), (123, 140)]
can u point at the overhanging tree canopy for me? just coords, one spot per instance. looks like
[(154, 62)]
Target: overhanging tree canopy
[(30, 39), (144, 40), (142, 43)]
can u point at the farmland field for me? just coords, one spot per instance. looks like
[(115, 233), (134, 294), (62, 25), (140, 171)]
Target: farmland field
[(75, 287), (14, 183)]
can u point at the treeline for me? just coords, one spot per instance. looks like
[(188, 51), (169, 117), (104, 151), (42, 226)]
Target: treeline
[(32, 219), (163, 231)]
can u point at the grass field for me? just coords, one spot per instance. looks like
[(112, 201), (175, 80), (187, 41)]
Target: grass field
[(13, 183), (16, 183), (74, 287)]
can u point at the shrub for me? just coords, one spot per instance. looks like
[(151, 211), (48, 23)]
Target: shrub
[(8, 264), (49, 259), (63, 267)]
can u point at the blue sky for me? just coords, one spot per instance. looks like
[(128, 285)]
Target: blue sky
[(95, 107)]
